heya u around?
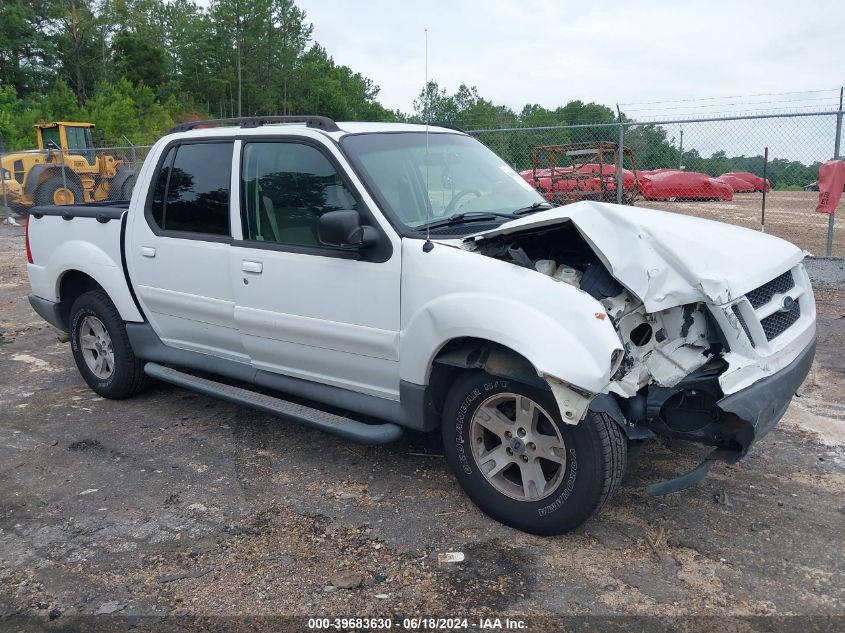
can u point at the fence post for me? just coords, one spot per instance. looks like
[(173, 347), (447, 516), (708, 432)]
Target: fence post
[(3, 183), (619, 180), (681, 151), (765, 182), (836, 146), (131, 150)]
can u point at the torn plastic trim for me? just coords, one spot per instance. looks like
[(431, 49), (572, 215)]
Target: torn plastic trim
[(697, 474), (573, 403), (500, 361), (760, 407)]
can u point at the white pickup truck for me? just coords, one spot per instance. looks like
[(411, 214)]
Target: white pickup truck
[(388, 276)]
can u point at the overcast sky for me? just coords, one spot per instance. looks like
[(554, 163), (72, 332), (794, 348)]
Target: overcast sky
[(552, 51)]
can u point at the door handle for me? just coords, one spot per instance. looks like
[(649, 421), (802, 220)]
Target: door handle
[(148, 251), (252, 267)]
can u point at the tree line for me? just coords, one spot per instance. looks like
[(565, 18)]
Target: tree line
[(135, 67), (652, 147)]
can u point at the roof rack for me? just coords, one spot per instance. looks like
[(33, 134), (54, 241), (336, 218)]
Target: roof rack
[(319, 122), (448, 126)]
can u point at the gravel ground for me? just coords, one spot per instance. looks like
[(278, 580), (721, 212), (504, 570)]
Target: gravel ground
[(175, 504), (827, 272), (789, 214)]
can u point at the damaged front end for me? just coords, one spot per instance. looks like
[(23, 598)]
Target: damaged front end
[(719, 371)]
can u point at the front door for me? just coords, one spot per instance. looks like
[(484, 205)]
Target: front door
[(304, 309), (179, 263)]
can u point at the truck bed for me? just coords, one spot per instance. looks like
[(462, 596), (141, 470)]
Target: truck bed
[(86, 239)]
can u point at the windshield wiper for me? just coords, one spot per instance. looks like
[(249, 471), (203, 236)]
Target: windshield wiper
[(469, 216), (533, 208)]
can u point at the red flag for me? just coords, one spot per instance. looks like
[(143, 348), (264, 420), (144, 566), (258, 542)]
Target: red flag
[(831, 181)]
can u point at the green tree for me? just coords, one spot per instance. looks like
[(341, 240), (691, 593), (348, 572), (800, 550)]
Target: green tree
[(27, 50), (19, 116), (651, 147), (139, 59), (324, 87), (80, 44), (123, 110)]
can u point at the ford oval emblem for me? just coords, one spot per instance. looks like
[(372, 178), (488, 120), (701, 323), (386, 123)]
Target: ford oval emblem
[(787, 304)]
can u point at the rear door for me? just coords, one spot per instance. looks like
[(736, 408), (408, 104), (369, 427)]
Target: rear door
[(178, 249), (305, 309)]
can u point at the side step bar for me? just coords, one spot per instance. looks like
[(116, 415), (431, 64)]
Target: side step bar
[(345, 427)]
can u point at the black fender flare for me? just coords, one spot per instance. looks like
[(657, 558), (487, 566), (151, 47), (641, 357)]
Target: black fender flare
[(606, 403)]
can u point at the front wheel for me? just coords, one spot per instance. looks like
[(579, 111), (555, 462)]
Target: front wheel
[(101, 347), (517, 460), (58, 190)]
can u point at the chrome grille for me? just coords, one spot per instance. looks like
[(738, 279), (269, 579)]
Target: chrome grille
[(763, 313), (777, 323), (762, 295)]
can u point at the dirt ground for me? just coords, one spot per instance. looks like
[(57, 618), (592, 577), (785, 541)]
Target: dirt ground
[(789, 214), (174, 504)]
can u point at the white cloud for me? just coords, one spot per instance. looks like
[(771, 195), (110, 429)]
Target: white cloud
[(548, 52)]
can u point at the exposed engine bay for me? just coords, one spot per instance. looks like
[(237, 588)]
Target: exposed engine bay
[(666, 381)]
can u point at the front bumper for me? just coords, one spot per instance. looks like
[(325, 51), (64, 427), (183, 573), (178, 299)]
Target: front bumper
[(747, 416), (764, 402)]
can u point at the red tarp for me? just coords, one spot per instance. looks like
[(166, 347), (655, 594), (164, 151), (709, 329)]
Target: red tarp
[(754, 179), (688, 185), (628, 178), (561, 185), (831, 181), (566, 181), (651, 172), (736, 183)]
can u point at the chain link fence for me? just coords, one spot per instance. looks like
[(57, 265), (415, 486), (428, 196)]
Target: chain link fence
[(754, 171), (759, 172), (83, 176)]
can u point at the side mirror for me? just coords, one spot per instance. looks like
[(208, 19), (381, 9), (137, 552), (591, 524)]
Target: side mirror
[(344, 228)]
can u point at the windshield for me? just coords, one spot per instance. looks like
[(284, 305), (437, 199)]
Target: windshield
[(421, 181)]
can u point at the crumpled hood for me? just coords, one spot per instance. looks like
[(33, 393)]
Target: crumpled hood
[(667, 259)]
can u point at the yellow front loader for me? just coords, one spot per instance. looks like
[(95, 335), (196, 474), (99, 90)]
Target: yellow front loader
[(65, 170)]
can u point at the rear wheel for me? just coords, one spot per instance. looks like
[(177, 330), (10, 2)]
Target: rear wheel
[(54, 191), (101, 347), (520, 463)]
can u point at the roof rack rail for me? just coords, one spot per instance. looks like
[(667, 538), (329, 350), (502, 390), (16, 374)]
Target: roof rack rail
[(319, 122), (448, 126)]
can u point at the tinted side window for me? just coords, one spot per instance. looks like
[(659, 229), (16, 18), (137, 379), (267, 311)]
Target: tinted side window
[(285, 188), (191, 193), (160, 187)]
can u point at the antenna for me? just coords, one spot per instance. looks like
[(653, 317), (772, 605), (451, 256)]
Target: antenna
[(428, 243)]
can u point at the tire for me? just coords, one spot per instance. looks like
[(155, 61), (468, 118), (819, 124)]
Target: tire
[(44, 193), (127, 187), (573, 489), (112, 370)]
